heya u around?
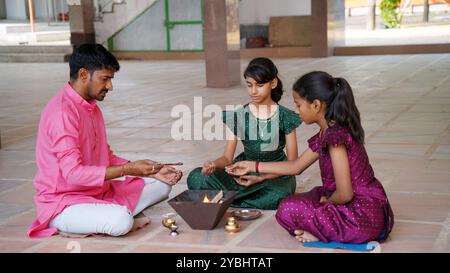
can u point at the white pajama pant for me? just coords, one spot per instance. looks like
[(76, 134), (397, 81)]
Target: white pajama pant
[(110, 219)]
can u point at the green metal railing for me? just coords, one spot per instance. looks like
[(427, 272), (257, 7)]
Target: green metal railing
[(171, 24)]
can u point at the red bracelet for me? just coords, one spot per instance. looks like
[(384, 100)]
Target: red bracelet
[(257, 166), (122, 171)]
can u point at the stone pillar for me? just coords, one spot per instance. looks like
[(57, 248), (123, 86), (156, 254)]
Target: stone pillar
[(81, 16), (426, 11), (2, 9), (328, 19), (222, 43), (371, 14)]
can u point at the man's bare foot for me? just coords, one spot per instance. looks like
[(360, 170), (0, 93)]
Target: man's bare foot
[(304, 236), (140, 222)]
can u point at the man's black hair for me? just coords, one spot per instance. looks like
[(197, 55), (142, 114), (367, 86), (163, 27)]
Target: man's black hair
[(91, 57)]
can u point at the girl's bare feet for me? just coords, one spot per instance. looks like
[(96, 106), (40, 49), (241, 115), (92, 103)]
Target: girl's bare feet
[(304, 236)]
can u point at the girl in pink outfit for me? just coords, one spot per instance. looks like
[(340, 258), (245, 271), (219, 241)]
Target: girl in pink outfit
[(76, 186), (351, 206)]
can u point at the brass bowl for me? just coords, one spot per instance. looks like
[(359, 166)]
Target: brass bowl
[(232, 226), (168, 222)]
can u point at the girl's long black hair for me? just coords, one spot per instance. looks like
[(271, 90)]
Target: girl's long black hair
[(337, 94), (263, 70)]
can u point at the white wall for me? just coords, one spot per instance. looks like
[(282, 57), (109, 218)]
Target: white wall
[(145, 33), (16, 9), (43, 9), (257, 12), (40, 8), (122, 16)]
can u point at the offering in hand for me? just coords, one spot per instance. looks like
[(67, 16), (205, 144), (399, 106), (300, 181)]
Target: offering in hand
[(172, 164)]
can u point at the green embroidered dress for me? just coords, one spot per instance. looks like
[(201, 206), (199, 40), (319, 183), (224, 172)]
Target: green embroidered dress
[(264, 140)]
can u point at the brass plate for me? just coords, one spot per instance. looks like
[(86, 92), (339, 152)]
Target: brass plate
[(246, 214)]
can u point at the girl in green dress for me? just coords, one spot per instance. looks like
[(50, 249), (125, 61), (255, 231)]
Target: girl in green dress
[(265, 129)]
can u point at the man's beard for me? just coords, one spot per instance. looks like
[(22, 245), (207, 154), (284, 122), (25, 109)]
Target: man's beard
[(97, 96)]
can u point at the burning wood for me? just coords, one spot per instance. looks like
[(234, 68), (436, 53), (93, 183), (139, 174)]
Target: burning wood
[(218, 197), (206, 199), (215, 199)]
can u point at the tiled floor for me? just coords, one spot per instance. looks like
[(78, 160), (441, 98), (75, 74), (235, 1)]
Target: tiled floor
[(405, 106)]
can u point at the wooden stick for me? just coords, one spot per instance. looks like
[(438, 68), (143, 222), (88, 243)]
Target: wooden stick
[(217, 198), (173, 164)]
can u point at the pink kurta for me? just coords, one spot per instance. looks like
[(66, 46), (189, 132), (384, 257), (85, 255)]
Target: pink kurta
[(72, 154)]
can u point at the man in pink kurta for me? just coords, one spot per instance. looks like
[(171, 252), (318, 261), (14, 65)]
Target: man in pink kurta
[(75, 164)]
